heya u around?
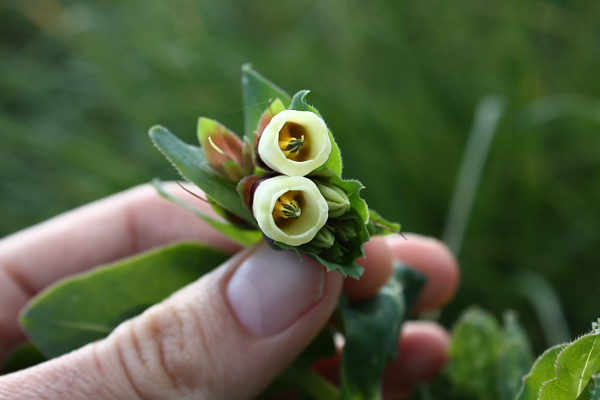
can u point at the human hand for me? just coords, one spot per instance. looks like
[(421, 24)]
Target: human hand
[(227, 335)]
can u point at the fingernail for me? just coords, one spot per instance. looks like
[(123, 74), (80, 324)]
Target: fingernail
[(272, 288)]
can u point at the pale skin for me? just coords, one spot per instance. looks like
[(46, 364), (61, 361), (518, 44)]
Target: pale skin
[(194, 345)]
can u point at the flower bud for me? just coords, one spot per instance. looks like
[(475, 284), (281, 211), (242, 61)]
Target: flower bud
[(323, 239), (289, 209), (223, 149), (295, 143), (336, 198), (344, 229)]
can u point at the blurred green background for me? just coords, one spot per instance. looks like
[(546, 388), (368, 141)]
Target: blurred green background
[(398, 82)]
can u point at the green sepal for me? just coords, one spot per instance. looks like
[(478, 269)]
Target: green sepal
[(191, 163), (334, 162), (245, 237), (352, 270), (87, 307), (371, 329)]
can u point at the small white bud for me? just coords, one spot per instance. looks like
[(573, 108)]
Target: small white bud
[(336, 198)]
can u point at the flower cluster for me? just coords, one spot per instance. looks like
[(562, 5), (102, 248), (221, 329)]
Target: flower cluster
[(289, 206), (284, 179)]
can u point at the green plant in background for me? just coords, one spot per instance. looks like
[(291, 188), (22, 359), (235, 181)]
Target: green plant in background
[(490, 362)]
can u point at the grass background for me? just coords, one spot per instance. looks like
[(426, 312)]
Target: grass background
[(398, 82)]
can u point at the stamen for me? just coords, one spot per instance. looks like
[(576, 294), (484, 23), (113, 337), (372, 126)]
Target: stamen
[(214, 146), (291, 146), (287, 208)]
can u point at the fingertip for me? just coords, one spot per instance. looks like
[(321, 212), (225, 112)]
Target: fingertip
[(423, 353), (433, 258), (378, 264)]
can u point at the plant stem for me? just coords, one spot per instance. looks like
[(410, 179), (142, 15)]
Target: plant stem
[(311, 383)]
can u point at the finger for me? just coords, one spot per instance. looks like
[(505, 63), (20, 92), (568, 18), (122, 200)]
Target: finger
[(378, 269), (423, 354), (225, 336), (435, 260), (98, 233)]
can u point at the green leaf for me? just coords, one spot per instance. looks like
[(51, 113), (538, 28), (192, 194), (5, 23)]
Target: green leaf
[(474, 351), (245, 237), (85, 308), (575, 365), (371, 329), (515, 358), (24, 356), (381, 226), (257, 92), (191, 163), (542, 371)]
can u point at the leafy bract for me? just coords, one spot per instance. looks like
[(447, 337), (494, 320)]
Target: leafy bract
[(245, 237), (380, 225), (371, 330), (85, 308), (575, 366), (257, 92), (191, 163)]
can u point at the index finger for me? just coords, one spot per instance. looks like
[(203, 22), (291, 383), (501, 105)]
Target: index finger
[(101, 232)]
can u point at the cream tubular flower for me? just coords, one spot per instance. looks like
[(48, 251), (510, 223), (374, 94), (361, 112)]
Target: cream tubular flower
[(289, 209), (295, 143)]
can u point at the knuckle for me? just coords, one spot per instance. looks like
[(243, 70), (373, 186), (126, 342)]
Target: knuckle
[(165, 353)]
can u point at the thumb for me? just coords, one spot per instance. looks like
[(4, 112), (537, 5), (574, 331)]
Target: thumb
[(227, 335)]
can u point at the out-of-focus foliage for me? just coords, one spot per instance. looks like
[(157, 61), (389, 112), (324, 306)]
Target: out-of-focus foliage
[(82, 81)]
